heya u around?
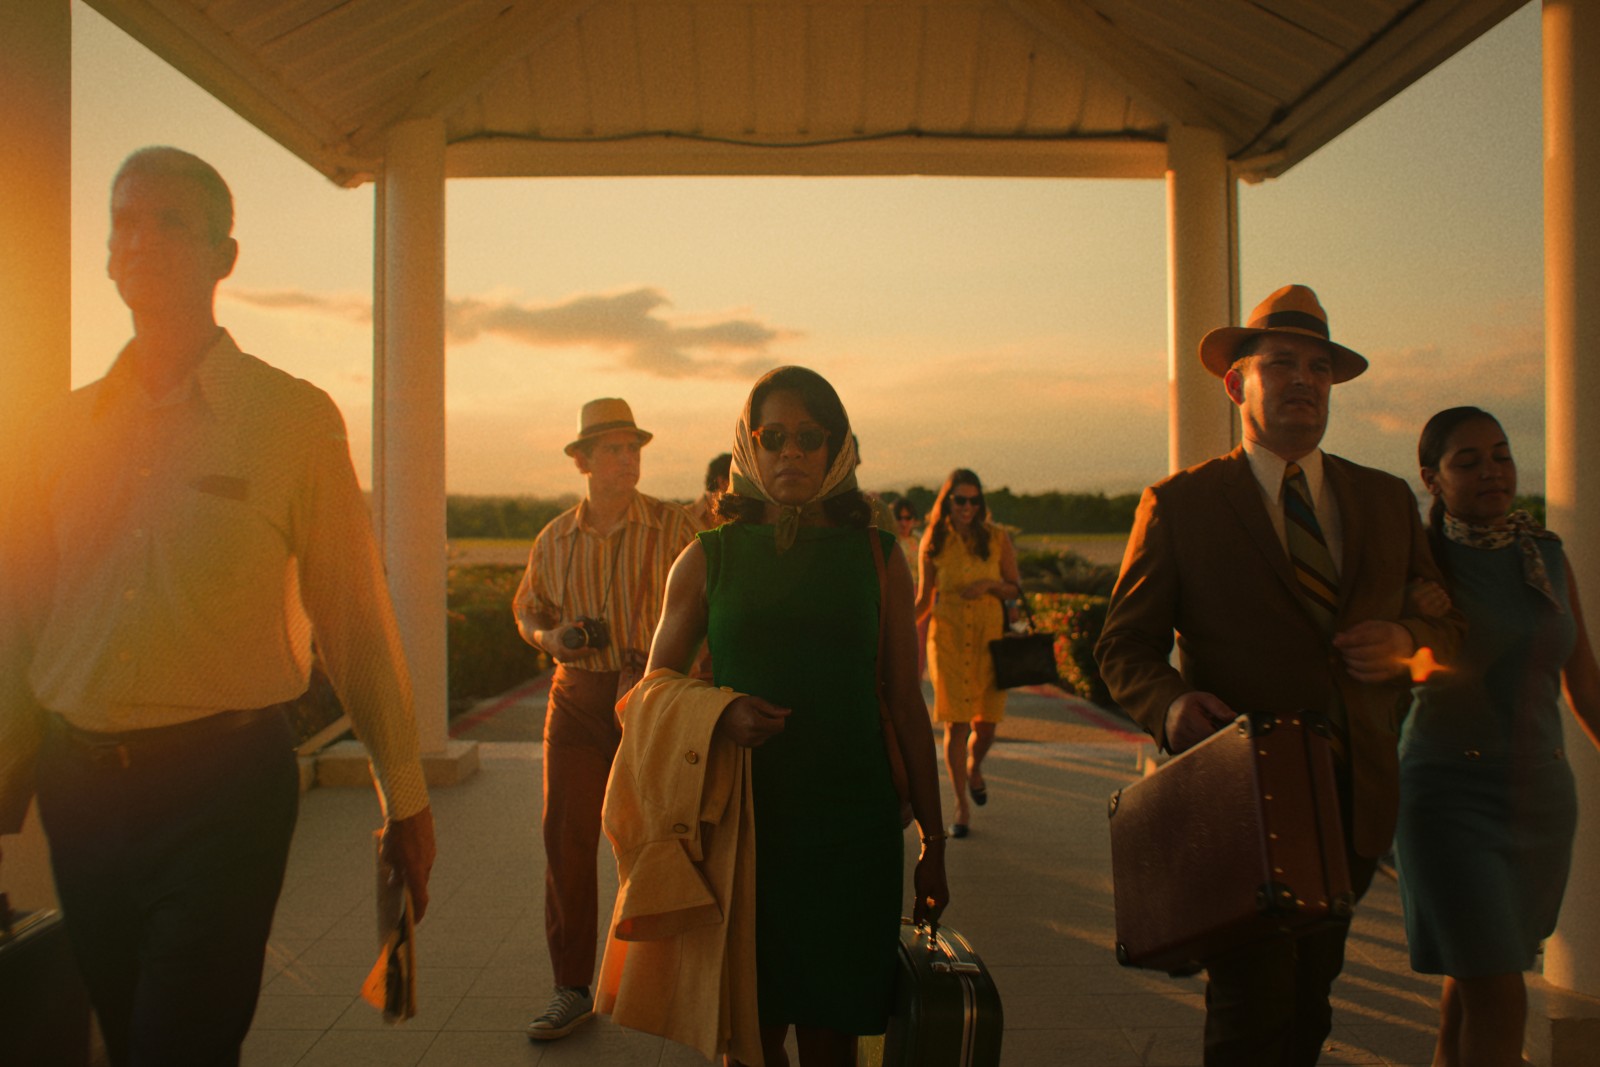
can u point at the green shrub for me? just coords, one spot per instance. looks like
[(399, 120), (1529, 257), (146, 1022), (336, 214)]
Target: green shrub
[(486, 653), (1076, 620), (1061, 570)]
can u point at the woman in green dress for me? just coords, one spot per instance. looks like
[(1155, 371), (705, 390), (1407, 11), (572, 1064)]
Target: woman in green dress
[(787, 596)]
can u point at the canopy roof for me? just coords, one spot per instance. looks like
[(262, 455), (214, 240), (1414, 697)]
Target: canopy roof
[(1069, 88)]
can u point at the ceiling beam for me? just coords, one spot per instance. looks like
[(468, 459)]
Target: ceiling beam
[(469, 65), (1145, 75), (182, 36), (652, 155), (1429, 33)]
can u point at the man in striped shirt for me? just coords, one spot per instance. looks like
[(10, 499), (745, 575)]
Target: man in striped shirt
[(590, 598)]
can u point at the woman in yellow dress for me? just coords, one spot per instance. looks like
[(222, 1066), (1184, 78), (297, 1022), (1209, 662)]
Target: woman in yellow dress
[(968, 569)]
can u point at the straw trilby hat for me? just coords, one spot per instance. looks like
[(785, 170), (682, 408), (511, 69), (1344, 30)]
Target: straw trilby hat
[(1292, 309), (602, 416)]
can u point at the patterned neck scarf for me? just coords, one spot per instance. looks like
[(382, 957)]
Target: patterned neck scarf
[(745, 480), (1518, 528)]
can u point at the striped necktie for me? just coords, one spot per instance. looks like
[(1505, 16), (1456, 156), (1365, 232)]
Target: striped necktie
[(1308, 551)]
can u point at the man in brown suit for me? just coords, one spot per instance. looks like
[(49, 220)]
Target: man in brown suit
[(1283, 572)]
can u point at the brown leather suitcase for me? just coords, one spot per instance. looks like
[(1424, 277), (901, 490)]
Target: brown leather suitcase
[(1233, 842)]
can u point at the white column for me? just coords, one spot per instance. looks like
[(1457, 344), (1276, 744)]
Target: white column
[(1572, 433), (408, 422), (36, 207), (35, 284), (1202, 290)]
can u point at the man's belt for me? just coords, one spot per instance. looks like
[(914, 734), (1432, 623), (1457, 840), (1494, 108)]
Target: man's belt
[(126, 747)]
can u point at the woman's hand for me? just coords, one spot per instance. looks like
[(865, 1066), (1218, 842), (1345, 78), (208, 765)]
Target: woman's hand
[(981, 588), (1427, 599), (933, 892), (749, 721)]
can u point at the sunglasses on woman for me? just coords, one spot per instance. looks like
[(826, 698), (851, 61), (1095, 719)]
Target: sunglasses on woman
[(964, 500), (773, 438)]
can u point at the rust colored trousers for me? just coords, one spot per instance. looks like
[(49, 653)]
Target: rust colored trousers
[(580, 740)]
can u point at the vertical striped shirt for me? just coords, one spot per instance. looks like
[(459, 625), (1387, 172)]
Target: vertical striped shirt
[(576, 572)]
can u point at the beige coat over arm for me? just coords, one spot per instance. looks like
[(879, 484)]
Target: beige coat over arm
[(680, 957)]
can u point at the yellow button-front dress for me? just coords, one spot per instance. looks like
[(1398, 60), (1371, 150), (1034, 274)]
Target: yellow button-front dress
[(959, 636)]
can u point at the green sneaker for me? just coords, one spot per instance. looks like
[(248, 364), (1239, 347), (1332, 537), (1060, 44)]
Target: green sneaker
[(569, 1008)]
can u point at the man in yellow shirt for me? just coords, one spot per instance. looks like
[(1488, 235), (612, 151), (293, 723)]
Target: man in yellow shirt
[(187, 524)]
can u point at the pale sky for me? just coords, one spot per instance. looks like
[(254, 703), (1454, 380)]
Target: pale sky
[(1016, 326)]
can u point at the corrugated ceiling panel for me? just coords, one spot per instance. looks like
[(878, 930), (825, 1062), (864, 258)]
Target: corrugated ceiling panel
[(505, 107), (667, 81), (949, 66), (894, 51), (1344, 25), (725, 69), (1245, 42), (796, 69), (1230, 88), (1055, 99), (836, 68), (1105, 109), (560, 104), (780, 70), (611, 62), (1142, 120), (253, 23), (1004, 66)]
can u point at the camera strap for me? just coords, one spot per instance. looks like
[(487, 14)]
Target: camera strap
[(566, 576)]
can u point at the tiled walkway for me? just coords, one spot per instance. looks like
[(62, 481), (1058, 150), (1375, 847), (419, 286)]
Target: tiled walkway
[(1031, 888)]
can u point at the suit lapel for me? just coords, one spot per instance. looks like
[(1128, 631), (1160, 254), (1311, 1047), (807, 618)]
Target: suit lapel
[(1243, 493)]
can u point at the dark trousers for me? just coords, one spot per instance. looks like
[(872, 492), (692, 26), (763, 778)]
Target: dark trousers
[(1268, 1005), (580, 740), (169, 847)]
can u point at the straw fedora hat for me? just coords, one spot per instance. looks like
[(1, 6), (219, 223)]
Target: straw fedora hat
[(1292, 309), (601, 417)]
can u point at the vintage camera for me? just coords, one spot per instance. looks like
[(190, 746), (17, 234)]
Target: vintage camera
[(587, 633)]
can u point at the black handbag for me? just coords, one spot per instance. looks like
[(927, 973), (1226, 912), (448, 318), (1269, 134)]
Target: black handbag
[(1025, 658)]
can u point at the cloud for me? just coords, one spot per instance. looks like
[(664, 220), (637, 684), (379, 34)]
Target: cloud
[(631, 327), (352, 309)]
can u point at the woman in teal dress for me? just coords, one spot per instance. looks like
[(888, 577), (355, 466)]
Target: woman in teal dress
[(1487, 801), (786, 593)]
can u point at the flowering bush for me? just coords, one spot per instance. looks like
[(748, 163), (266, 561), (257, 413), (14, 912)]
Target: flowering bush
[(1076, 620)]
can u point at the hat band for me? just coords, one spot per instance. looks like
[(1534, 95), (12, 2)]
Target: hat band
[(1299, 320), (607, 427)]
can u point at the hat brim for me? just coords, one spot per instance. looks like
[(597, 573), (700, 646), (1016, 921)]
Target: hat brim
[(1219, 350), (573, 446)]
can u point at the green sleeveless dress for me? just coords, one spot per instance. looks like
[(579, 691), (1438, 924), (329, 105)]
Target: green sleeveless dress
[(801, 630)]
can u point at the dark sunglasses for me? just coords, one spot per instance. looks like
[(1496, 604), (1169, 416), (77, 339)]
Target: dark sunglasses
[(965, 500), (773, 438)]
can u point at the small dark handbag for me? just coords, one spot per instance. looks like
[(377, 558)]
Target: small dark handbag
[(1025, 658)]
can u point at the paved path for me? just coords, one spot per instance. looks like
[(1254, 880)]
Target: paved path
[(1031, 887)]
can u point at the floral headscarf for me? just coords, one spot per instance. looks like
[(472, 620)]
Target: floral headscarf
[(745, 476)]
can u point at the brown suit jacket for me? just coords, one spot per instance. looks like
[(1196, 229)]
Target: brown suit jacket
[(1204, 562)]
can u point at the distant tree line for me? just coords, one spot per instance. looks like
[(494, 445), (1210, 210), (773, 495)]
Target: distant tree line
[(1043, 513), (522, 517)]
